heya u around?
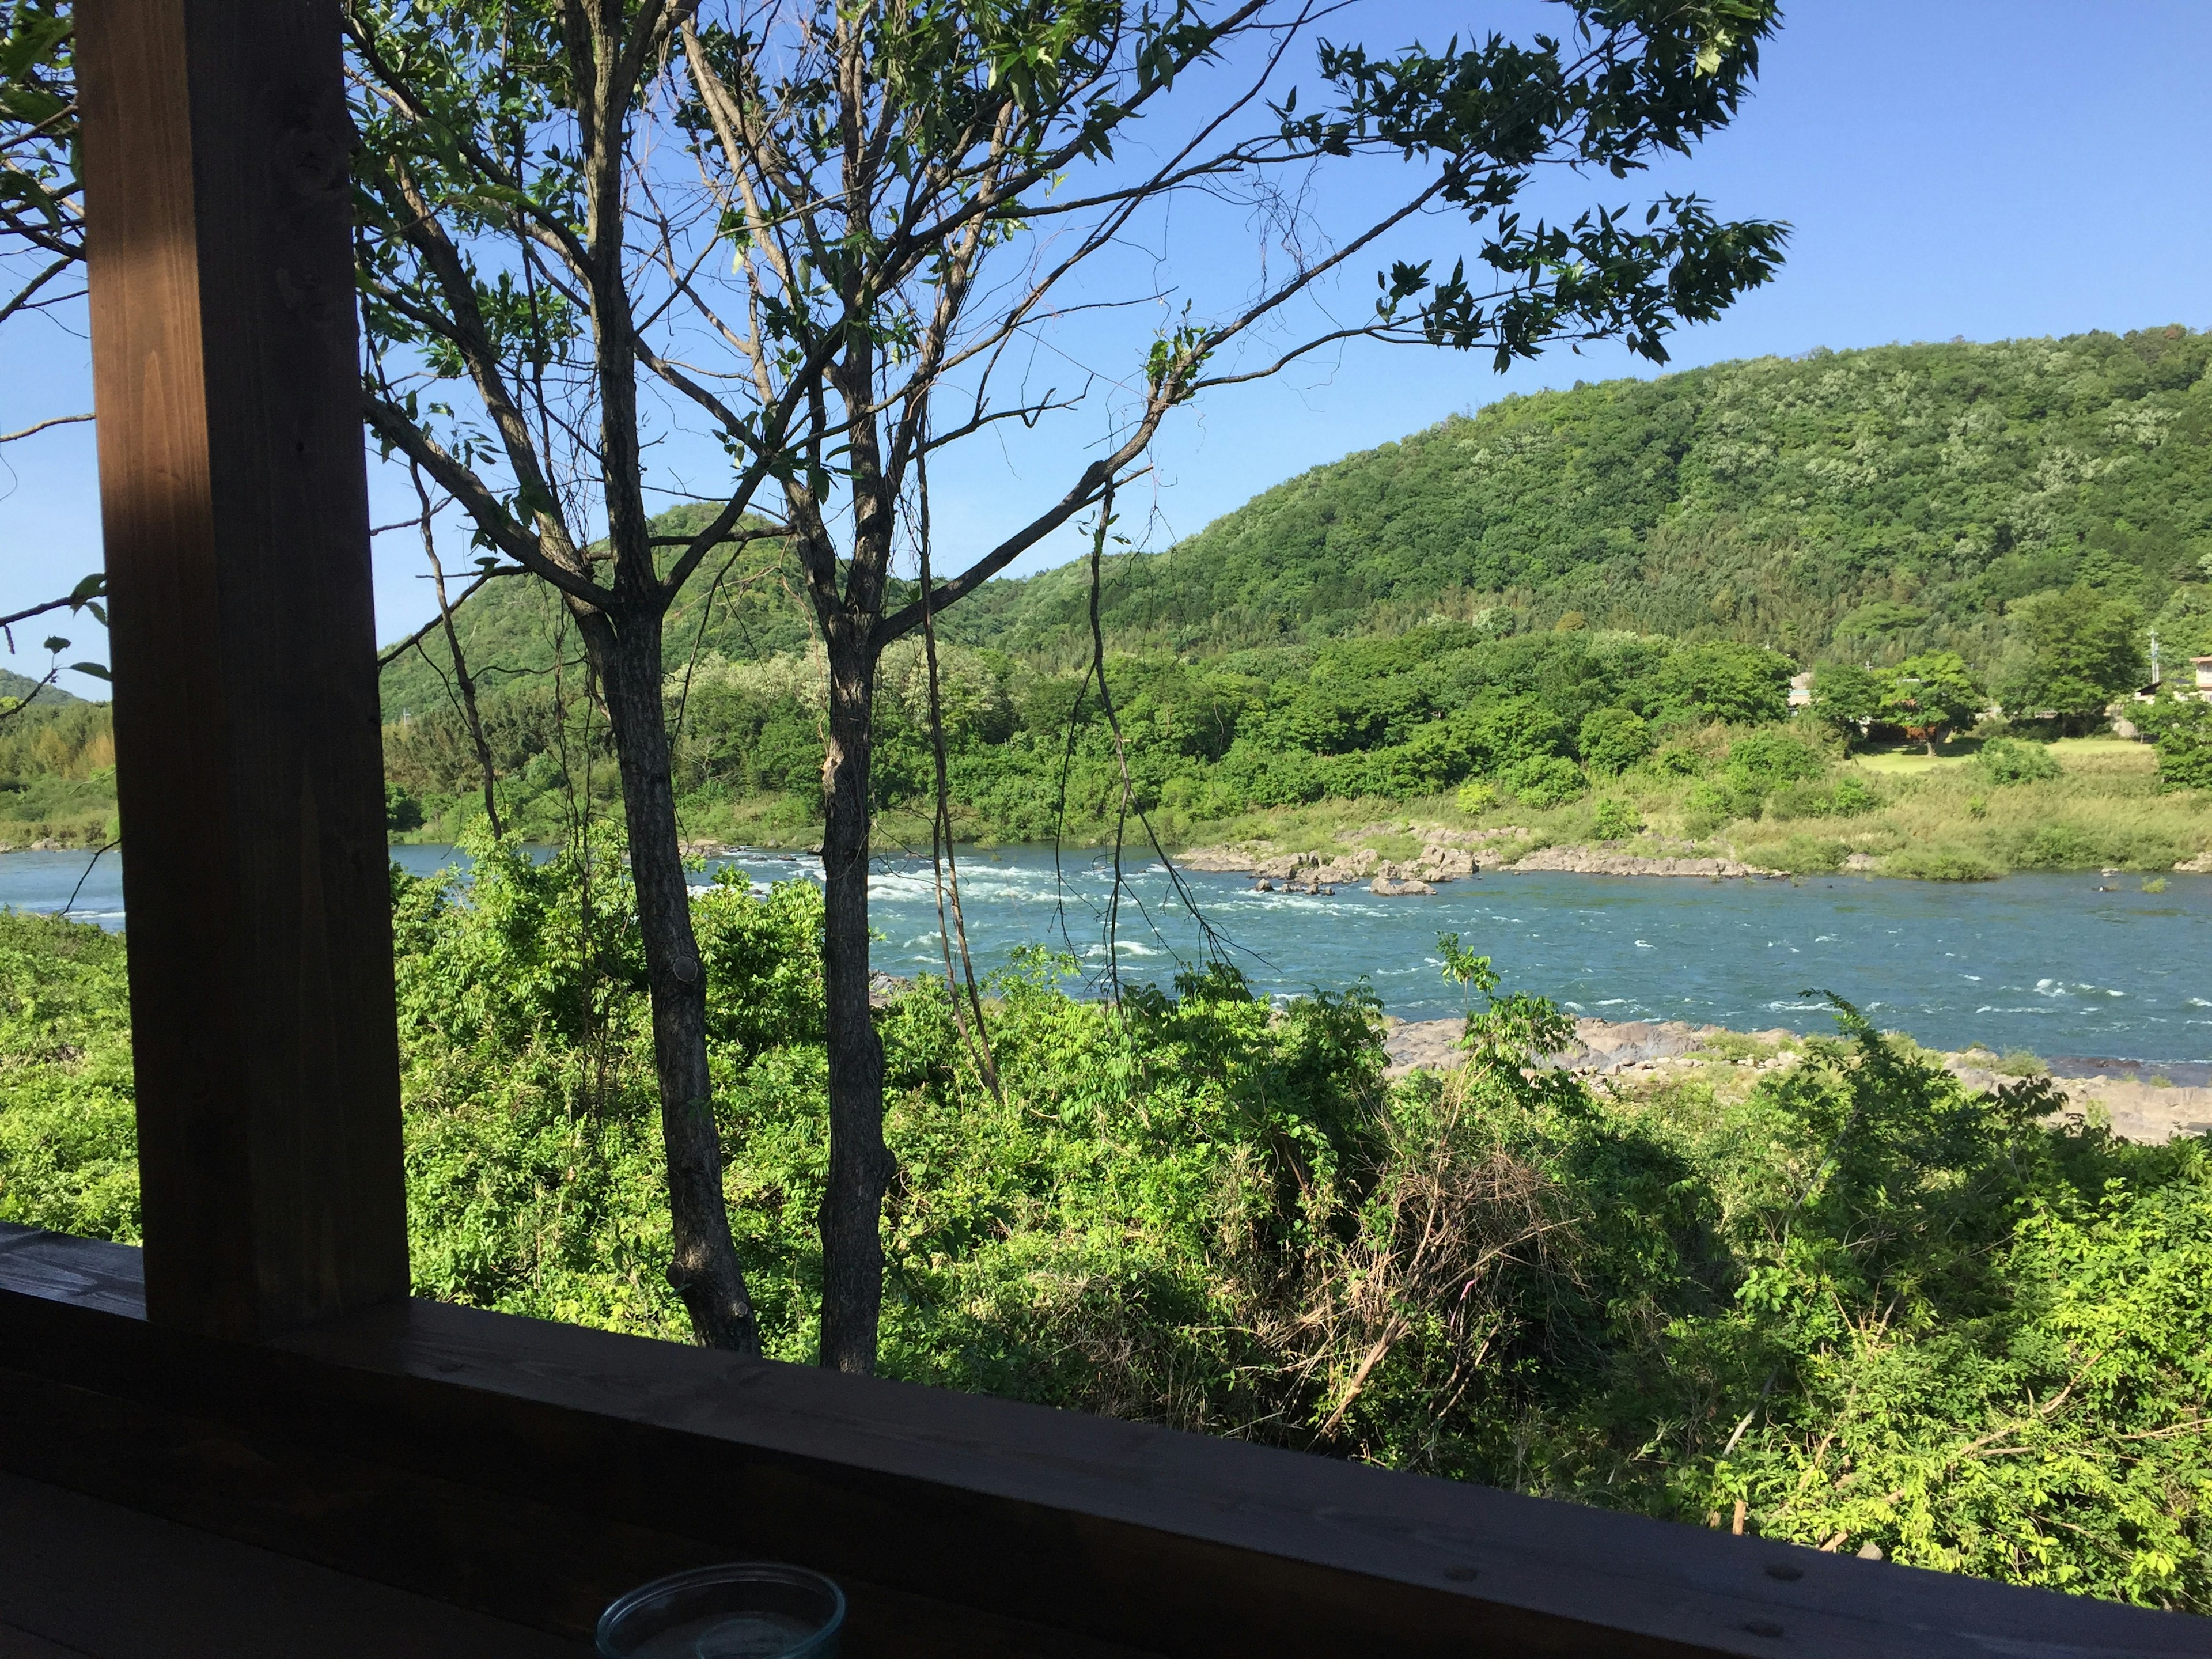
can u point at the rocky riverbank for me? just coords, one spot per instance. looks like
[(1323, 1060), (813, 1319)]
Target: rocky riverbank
[(2142, 1102), (1452, 855), (1605, 859)]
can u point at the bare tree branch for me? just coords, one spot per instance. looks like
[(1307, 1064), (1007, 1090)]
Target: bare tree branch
[(41, 426)]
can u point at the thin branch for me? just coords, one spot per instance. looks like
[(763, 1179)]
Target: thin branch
[(73, 601), (385, 658), (23, 297), (41, 426), (392, 424), (940, 824), (1097, 481)]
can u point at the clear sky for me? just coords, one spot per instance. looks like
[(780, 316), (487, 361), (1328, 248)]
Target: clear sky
[(1988, 169)]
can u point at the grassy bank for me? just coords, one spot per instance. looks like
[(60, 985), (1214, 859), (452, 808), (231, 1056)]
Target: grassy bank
[(1781, 797), (1889, 812)]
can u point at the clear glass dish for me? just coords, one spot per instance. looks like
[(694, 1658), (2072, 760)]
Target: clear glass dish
[(746, 1610)]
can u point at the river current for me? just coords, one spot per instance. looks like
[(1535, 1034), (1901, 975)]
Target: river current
[(2060, 964)]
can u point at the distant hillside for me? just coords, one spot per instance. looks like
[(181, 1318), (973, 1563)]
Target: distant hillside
[(13, 684), (508, 630), (1865, 504)]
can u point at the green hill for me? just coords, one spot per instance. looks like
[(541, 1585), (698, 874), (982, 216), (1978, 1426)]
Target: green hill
[(1531, 599), (510, 627), (1867, 502), (18, 686), (1861, 504)]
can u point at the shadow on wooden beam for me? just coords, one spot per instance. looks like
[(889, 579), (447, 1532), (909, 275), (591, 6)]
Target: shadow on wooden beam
[(532, 1471)]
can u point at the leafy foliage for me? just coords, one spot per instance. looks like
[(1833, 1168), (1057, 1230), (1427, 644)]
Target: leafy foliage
[(1915, 492), (41, 197), (1870, 1304), (2182, 729), (2083, 648), (68, 1131), (2007, 760), (1614, 739), (57, 772), (1928, 695)]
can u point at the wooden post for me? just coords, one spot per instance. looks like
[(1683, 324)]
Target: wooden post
[(233, 498)]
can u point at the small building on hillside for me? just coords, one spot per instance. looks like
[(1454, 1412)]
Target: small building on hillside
[(1801, 690), (2204, 666)]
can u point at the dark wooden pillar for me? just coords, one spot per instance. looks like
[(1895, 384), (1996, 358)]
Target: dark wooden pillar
[(235, 503)]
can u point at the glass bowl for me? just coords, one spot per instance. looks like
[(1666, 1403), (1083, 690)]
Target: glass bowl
[(746, 1610)]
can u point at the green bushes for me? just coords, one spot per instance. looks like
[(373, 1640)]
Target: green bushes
[(1544, 781), (2181, 727), (2056, 846), (1765, 760), (1707, 805), (1804, 856), (1394, 718), (1843, 795), (1941, 863), (1733, 684), (1868, 1304), (2007, 761), (1614, 739), (1616, 819), (1986, 1326), (69, 1133)]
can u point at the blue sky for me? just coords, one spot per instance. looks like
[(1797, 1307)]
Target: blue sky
[(1989, 168)]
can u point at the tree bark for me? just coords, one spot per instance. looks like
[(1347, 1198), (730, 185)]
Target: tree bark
[(861, 1164), (704, 1268)]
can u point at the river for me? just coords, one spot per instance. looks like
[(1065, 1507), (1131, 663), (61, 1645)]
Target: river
[(2047, 963)]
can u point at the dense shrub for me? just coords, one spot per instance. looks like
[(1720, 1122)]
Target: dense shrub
[(1614, 739), (1617, 819), (1733, 684), (1545, 780), (1941, 863), (68, 1150), (1707, 805), (1765, 760), (2182, 729), (1841, 796), (2057, 847), (2007, 760)]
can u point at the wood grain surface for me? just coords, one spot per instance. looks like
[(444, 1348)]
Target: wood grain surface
[(234, 511)]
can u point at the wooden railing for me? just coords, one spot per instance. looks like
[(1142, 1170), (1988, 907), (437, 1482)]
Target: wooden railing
[(533, 1471)]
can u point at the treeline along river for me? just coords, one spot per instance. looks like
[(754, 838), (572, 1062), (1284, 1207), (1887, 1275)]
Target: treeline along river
[(2060, 964)]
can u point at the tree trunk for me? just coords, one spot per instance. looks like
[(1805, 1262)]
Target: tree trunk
[(860, 1166), (704, 1269)]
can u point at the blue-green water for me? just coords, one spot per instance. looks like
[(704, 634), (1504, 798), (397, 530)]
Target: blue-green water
[(2047, 963)]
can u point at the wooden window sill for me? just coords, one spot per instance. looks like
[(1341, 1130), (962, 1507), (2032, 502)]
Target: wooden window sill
[(532, 1471)]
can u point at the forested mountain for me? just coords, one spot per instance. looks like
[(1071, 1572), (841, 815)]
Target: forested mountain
[(1855, 504), (1510, 596)]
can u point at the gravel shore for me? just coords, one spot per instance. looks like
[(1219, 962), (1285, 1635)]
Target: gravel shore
[(2119, 1091)]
